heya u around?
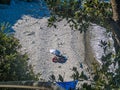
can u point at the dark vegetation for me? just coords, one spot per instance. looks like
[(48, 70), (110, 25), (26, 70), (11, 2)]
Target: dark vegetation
[(13, 64)]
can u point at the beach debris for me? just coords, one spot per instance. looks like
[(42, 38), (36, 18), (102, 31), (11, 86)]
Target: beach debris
[(31, 33)]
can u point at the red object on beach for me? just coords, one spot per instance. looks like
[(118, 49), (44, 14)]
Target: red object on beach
[(55, 59)]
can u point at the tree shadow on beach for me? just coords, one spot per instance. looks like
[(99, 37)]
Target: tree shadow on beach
[(18, 9)]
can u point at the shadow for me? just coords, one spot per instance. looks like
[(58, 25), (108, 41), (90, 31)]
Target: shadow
[(19, 9), (62, 60)]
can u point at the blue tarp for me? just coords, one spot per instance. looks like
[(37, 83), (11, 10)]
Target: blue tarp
[(71, 85)]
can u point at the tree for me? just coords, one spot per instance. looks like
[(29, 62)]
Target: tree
[(116, 10), (80, 14), (115, 22), (13, 64)]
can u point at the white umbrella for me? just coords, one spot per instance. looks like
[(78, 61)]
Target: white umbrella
[(55, 52)]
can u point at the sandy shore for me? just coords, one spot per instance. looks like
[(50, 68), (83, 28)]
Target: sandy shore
[(29, 21), (38, 39)]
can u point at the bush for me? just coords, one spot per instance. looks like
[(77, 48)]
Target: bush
[(13, 64)]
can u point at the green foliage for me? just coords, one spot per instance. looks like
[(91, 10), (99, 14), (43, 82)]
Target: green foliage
[(80, 13), (13, 64), (66, 9), (52, 78), (104, 77), (97, 12), (63, 8), (77, 76), (51, 21), (87, 87)]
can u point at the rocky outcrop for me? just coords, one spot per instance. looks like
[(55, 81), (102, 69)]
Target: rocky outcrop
[(94, 49)]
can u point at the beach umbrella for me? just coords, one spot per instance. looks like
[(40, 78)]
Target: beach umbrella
[(55, 52)]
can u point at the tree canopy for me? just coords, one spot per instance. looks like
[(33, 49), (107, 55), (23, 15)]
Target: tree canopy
[(13, 64), (80, 12)]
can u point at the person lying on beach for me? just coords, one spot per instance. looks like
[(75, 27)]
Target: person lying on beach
[(60, 59)]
